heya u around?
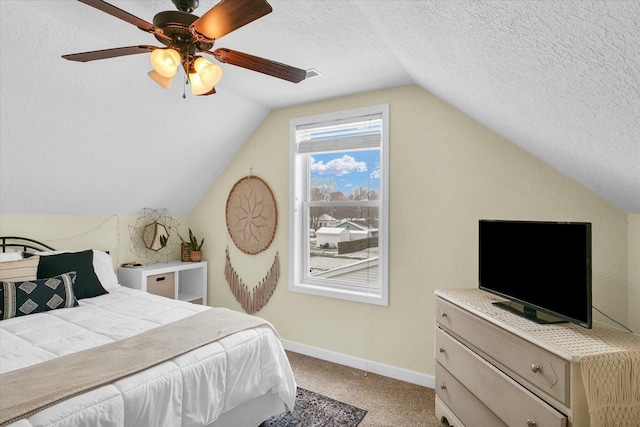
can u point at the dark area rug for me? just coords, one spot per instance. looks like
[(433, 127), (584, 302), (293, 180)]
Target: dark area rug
[(313, 409)]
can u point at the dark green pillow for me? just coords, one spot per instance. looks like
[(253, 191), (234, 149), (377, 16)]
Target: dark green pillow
[(87, 284), (35, 296)]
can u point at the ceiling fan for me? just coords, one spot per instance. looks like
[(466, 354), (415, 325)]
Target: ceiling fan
[(185, 35)]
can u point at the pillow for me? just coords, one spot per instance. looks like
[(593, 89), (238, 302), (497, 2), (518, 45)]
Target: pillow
[(17, 271), (87, 284), (103, 266), (36, 296), (28, 254), (10, 256)]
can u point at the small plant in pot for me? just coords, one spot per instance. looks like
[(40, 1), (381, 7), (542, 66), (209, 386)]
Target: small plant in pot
[(195, 248)]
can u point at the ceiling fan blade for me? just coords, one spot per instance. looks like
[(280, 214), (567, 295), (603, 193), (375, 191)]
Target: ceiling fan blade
[(125, 16), (108, 53), (229, 15), (119, 13), (261, 65)]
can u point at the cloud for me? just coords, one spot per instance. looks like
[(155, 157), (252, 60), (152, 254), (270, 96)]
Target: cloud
[(375, 174), (338, 167)]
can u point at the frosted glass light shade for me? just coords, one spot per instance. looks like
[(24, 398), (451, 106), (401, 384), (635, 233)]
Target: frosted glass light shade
[(164, 82), (204, 76), (165, 61), (197, 86)]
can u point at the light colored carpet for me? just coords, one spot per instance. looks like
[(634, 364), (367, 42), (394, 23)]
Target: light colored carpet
[(389, 402)]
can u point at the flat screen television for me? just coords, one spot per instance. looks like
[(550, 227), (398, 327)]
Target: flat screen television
[(543, 268)]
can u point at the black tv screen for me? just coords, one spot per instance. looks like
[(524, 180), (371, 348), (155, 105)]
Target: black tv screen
[(543, 268)]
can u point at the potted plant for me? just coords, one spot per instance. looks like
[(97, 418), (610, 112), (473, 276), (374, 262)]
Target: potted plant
[(195, 248)]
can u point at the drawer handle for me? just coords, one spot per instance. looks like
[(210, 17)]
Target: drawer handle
[(441, 349), (443, 387), (531, 423), (159, 279), (535, 369), (443, 314)]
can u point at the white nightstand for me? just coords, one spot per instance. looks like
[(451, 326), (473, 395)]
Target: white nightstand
[(186, 281)]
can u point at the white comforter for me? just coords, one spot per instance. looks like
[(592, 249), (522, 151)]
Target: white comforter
[(190, 390)]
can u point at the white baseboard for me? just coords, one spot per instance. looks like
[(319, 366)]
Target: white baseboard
[(401, 374)]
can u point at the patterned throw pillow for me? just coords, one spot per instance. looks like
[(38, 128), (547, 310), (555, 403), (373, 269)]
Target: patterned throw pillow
[(36, 296)]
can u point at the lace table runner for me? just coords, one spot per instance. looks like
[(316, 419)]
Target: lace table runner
[(609, 359)]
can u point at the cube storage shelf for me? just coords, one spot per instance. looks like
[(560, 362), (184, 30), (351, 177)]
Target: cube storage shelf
[(185, 281)]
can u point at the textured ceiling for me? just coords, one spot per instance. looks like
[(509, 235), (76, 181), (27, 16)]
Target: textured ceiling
[(560, 79)]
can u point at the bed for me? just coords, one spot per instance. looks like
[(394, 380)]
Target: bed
[(126, 345)]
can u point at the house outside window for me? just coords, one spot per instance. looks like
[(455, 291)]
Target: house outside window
[(339, 193)]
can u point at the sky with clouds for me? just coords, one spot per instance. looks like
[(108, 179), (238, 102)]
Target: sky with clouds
[(349, 169)]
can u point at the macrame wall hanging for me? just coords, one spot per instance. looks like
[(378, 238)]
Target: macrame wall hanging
[(252, 219)]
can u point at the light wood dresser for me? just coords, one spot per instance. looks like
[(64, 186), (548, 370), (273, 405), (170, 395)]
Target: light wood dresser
[(494, 368)]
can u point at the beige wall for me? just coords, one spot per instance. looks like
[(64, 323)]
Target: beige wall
[(634, 273), (78, 232), (447, 171)]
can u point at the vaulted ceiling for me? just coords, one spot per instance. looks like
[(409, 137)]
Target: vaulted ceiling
[(561, 79)]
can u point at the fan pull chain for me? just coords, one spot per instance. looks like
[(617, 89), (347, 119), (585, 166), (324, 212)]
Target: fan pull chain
[(184, 88)]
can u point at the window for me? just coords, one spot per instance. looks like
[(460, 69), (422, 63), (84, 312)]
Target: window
[(339, 170)]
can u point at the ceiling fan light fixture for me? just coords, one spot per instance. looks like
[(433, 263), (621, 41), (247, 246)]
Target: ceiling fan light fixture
[(209, 72), (162, 81), (165, 61), (204, 75), (197, 85)]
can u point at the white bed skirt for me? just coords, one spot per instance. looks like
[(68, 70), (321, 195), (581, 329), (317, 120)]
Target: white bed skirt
[(251, 413)]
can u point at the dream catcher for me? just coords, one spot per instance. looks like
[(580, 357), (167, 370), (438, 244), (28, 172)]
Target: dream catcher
[(252, 219)]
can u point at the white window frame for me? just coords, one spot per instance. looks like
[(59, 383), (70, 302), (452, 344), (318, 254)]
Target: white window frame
[(299, 222)]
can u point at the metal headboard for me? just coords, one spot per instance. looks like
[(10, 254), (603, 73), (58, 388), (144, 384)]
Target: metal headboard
[(24, 243)]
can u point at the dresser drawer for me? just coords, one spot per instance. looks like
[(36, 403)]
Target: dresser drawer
[(529, 364), (508, 400), (467, 408), (162, 284)]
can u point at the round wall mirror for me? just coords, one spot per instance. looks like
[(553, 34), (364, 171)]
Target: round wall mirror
[(155, 236)]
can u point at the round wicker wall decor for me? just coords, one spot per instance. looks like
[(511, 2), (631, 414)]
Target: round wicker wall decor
[(252, 215)]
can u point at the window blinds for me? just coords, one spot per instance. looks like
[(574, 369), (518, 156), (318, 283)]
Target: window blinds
[(356, 133)]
